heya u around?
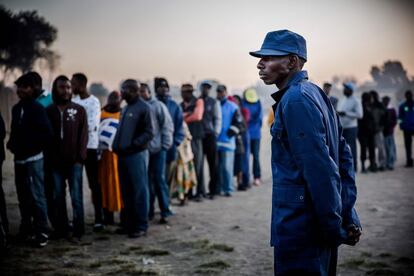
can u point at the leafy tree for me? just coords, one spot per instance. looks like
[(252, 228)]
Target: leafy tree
[(390, 75), (26, 38)]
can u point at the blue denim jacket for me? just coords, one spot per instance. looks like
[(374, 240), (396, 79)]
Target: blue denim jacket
[(314, 188)]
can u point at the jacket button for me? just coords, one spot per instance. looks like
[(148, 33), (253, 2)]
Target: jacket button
[(301, 197)]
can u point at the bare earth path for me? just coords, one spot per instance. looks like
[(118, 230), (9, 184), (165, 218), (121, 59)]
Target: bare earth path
[(228, 236)]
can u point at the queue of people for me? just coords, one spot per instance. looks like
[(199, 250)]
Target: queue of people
[(151, 150)]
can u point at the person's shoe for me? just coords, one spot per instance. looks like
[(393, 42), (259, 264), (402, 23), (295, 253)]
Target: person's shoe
[(163, 220), (121, 231), (137, 234), (75, 240), (409, 164), (41, 240), (257, 182), (98, 227), (227, 194), (198, 198), (242, 188), (381, 169)]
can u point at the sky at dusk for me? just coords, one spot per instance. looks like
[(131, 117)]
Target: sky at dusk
[(186, 41)]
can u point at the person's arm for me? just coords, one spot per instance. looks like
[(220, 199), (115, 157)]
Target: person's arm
[(179, 134), (306, 134), (260, 114), (236, 126), (167, 128), (2, 129), (83, 134), (217, 118), (197, 114), (393, 117), (146, 118)]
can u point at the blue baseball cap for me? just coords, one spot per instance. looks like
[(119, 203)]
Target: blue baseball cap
[(349, 85), (282, 43)]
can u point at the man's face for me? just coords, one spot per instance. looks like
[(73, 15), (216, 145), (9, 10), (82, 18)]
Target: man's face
[(144, 93), (24, 92), (205, 90), (128, 94), (273, 70), (327, 89), (76, 86), (221, 94), (186, 94), (163, 89), (64, 91), (347, 92)]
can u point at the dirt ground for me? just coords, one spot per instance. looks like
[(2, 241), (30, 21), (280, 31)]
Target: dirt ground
[(227, 236)]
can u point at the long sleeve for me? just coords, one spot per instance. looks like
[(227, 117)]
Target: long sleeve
[(167, 128), (179, 134), (148, 121), (358, 113), (83, 134), (307, 141), (349, 190), (217, 118), (197, 115)]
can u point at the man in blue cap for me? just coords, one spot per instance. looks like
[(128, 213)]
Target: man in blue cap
[(314, 188)]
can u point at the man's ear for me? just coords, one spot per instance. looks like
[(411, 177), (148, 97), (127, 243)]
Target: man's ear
[(293, 61)]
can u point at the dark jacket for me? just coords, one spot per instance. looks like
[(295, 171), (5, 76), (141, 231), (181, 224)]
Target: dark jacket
[(177, 117), (256, 118), (314, 188), (406, 116), (390, 122), (30, 131), (366, 125), (136, 128), (70, 135), (2, 137), (379, 112)]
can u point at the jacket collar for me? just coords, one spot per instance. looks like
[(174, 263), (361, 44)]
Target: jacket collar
[(296, 78)]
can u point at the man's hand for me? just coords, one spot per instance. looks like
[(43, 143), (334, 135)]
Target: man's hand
[(354, 233)]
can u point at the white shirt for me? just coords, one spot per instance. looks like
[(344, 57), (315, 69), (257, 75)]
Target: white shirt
[(92, 107), (353, 111)]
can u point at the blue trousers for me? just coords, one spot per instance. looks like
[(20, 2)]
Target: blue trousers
[(29, 179), (226, 167), (255, 150), (158, 185), (324, 265), (390, 151), (133, 177), (73, 174)]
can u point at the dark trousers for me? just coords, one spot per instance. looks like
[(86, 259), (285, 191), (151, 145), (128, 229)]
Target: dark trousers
[(246, 160), (133, 177), (408, 141), (350, 135), (91, 166), (157, 184), (328, 258), (29, 179), (210, 150), (3, 208), (255, 150), (367, 143), (49, 191), (197, 147), (73, 174)]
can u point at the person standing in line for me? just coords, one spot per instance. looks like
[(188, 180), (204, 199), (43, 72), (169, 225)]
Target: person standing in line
[(162, 91), (406, 120), (366, 134), (93, 110), (30, 136), (67, 155), (241, 164), (389, 141), (327, 89), (158, 147), (314, 188), (252, 103), (212, 125), (226, 142), (135, 131), (108, 176), (379, 113), (193, 110), (4, 222), (349, 111)]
